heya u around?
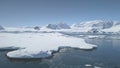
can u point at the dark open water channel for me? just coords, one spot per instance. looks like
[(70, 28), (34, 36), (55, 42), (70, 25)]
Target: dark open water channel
[(107, 55)]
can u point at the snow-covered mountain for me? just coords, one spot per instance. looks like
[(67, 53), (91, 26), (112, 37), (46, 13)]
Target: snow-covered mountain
[(113, 29), (96, 25), (37, 28), (89, 26), (58, 26), (1, 28)]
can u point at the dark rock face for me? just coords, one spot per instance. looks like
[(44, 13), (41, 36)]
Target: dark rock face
[(63, 26), (1, 28), (37, 28), (52, 26), (58, 26)]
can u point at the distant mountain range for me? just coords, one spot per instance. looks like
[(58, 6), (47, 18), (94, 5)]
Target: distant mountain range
[(99, 25), (58, 26)]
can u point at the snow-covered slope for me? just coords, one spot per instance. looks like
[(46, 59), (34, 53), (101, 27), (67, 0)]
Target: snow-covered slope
[(113, 29), (18, 29), (58, 26), (99, 24), (96, 25), (21, 29)]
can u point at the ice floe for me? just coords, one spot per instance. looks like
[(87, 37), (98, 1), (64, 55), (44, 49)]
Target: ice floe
[(88, 65), (39, 45)]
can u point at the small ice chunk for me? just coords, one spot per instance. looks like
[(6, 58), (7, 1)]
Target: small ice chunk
[(96, 67), (93, 37), (24, 53), (88, 65)]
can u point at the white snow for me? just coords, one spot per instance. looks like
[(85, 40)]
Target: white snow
[(19, 29), (113, 29), (88, 65), (96, 36), (98, 26), (96, 67), (42, 42), (93, 36), (106, 26), (39, 45)]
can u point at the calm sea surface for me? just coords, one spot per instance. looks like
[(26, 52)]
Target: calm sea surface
[(107, 55)]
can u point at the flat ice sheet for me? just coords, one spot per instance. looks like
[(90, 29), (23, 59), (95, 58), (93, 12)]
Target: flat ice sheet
[(39, 45)]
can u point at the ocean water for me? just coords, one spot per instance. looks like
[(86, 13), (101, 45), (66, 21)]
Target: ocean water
[(107, 55)]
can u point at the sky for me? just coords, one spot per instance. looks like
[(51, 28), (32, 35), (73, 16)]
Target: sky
[(42, 12)]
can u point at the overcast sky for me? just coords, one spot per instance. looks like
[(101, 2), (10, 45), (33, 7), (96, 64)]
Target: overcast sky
[(41, 12)]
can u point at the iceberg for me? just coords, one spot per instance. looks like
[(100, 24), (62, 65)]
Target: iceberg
[(97, 67), (88, 65)]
